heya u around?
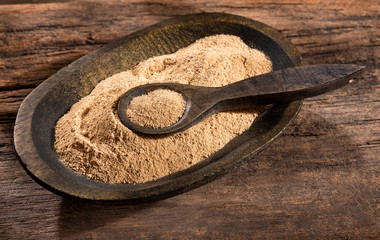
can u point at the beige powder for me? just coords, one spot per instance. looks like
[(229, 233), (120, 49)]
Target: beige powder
[(156, 109), (91, 139)]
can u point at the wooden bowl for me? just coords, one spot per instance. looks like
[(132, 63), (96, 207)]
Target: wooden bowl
[(36, 119)]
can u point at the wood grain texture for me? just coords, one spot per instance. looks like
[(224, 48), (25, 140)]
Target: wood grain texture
[(319, 180)]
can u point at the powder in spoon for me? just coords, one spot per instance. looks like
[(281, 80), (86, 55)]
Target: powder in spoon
[(157, 109), (91, 140)]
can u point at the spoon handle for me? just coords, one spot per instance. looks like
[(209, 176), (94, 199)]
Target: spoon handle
[(291, 84)]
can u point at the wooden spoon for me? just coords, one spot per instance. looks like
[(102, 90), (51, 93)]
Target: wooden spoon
[(280, 86)]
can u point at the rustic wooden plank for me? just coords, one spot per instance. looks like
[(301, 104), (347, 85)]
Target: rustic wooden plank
[(32, 1), (319, 180)]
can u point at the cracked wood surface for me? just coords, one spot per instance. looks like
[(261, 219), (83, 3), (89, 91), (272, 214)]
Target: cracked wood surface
[(319, 180)]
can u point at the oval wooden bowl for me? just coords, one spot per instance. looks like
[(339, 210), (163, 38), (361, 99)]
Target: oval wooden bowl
[(41, 109)]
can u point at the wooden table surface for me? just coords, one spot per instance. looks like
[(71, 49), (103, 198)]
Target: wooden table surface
[(319, 180)]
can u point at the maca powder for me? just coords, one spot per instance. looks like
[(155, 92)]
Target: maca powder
[(91, 140), (157, 109)]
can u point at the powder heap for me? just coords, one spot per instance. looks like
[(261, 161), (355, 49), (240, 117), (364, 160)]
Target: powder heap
[(157, 109), (91, 139)]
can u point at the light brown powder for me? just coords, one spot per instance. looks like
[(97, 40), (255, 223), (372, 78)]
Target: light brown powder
[(91, 139), (157, 109)]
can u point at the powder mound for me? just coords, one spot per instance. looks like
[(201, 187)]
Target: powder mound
[(91, 139), (157, 109)]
